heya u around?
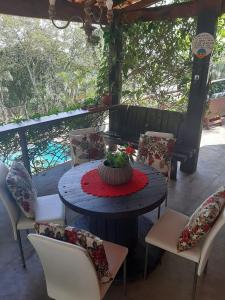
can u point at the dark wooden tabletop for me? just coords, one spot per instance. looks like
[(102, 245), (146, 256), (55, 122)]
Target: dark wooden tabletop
[(133, 205)]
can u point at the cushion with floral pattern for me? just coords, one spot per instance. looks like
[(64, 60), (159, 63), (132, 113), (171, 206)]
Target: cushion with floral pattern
[(202, 220), (55, 231), (20, 185), (82, 238), (156, 151), (87, 146)]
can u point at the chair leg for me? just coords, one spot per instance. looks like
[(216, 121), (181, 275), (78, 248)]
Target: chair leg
[(206, 268), (21, 248), (195, 282), (166, 201), (65, 219), (146, 262), (125, 277), (159, 210)]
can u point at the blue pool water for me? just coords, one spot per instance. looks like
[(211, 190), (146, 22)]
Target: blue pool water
[(52, 155)]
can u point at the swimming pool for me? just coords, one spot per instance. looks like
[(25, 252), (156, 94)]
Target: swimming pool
[(42, 157)]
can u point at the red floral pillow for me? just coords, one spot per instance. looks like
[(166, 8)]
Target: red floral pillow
[(202, 220), (82, 238), (20, 185), (87, 146), (51, 230), (156, 151)]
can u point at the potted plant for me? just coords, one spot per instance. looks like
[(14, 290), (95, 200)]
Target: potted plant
[(116, 169), (90, 103), (106, 99)]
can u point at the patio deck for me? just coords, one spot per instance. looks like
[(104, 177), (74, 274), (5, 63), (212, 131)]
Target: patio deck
[(172, 279)]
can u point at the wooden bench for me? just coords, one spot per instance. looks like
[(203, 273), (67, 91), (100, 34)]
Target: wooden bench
[(126, 123)]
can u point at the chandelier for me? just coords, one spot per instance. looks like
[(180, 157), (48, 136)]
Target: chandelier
[(90, 15)]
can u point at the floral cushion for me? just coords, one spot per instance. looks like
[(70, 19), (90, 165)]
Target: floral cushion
[(20, 185), (87, 146), (202, 220), (156, 151), (82, 238), (55, 231)]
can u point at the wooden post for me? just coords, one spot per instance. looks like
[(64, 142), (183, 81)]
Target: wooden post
[(115, 60), (207, 21), (24, 149)]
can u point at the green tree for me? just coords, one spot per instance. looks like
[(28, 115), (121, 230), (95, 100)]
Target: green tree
[(51, 70)]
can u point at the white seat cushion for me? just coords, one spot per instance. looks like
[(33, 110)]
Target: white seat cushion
[(49, 209), (25, 223), (165, 234)]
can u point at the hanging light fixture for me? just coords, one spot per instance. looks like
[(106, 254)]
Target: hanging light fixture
[(90, 14), (109, 5), (52, 15)]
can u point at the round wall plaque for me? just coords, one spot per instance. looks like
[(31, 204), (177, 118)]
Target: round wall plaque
[(202, 44)]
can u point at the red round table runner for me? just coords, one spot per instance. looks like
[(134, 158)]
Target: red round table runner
[(92, 183)]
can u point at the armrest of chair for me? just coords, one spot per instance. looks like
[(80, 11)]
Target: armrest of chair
[(183, 152)]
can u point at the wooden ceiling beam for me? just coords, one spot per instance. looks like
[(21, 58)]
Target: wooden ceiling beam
[(130, 14), (223, 6), (39, 9), (126, 5), (173, 11)]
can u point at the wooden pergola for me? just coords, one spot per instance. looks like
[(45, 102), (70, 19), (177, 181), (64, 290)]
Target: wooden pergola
[(129, 12)]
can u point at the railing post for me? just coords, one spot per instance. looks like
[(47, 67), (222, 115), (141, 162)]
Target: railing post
[(24, 149)]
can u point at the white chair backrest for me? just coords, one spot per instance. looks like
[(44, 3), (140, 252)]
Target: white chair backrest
[(160, 134), (7, 199), (69, 272), (207, 245)]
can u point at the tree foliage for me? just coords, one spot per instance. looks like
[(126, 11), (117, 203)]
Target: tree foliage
[(157, 62), (43, 70)]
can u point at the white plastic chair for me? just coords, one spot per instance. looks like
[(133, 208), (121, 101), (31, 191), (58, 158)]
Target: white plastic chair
[(69, 271), (47, 209), (165, 234)]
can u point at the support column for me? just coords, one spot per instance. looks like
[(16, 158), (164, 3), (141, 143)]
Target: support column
[(24, 149), (207, 22), (115, 60)]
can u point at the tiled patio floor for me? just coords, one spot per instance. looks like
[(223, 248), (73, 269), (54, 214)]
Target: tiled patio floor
[(170, 280)]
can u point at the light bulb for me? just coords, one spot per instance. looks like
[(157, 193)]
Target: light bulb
[(109, 4)]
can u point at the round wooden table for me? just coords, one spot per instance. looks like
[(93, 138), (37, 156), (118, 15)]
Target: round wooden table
[(113, 218)]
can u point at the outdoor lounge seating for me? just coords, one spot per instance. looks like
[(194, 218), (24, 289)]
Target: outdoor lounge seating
[(47, 209), (128, 122), (165, 234), (58, 68), (69, 272)]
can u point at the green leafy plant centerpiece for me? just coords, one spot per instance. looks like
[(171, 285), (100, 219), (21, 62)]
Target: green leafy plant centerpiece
[(116, 169)]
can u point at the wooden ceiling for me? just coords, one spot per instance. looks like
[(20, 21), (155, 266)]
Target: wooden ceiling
[(129, 11)]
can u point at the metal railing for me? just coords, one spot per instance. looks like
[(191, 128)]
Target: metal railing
[(44, 143)]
